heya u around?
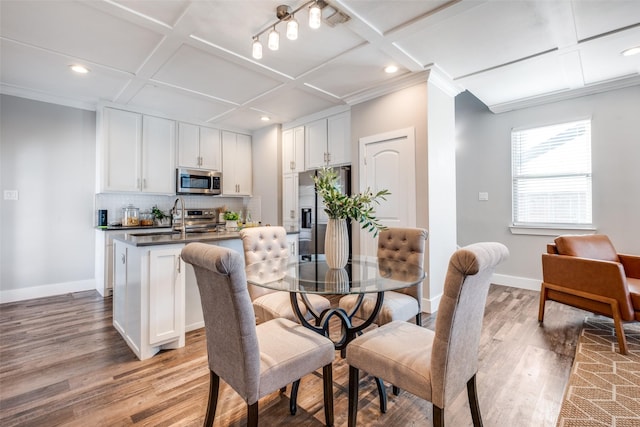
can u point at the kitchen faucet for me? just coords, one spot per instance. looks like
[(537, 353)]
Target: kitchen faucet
[(182, 215)]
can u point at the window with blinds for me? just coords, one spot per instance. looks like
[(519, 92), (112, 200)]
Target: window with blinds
[(551, 171)]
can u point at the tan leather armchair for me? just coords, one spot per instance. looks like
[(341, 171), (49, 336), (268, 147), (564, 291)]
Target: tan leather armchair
[(586, 272)]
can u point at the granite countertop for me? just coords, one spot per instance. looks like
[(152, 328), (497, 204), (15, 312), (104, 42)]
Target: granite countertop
[(168, 237)]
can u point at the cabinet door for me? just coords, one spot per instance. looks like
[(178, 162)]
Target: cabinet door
[(292, 241), (122, 133), (244, 169), (236, 164), (338, 139), (188, 145), (293, 150), (290, 201), (158, 155), (166, 295), (210, 149), (315, 144), (120, 287)]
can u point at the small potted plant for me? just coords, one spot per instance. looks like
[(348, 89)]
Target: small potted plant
[(160, 217), (231, 219)]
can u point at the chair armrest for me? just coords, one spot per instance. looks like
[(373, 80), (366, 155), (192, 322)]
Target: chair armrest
[(605, 278), (631, 264)]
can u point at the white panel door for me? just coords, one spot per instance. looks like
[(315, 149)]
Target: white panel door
[(210, 149), (188, 145), (121, 156), (158, 155), (388, 162), (166, 295)]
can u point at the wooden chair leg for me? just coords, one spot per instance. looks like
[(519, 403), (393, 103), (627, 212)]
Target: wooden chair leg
[(617, 321), (252, 415), (214, 386), (438, 416), (419, 319), (327, 381), (293, 401), (543, 300), (472, 392), (354, 384), (396, 390), (382, 393)]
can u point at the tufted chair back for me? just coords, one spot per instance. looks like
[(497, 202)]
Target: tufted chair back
[(407, 245), (260, 244)]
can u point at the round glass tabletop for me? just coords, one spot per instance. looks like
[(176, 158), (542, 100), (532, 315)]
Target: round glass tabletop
[(361, 275)]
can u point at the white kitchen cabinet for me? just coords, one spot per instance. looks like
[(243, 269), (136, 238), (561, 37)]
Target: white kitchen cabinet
[(292, 241), (236, 164), (199, 147), (327, 141), (290, 219), (293, 150), (149, 297), (136, 152)]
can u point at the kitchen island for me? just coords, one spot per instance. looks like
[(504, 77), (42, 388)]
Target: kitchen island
[(155, 294)]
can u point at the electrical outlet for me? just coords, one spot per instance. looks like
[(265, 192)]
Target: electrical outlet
[(483, 196), (11, 194)]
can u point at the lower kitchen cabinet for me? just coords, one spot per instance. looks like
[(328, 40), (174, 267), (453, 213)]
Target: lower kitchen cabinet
[(149, 297)]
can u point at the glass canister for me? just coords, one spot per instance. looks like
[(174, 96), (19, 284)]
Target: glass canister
[(130, 216), (146, 218)]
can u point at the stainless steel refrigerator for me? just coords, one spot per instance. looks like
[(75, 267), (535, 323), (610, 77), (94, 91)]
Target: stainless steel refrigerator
[(313, 219)]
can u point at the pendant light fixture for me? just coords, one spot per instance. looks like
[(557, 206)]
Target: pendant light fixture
[(315, 16), (273, 42), (284, 13)]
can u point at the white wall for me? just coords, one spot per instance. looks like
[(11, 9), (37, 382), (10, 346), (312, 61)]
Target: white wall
[(484, 164), (47, 153)]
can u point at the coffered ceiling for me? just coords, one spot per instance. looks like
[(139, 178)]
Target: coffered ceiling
[(192, 59)]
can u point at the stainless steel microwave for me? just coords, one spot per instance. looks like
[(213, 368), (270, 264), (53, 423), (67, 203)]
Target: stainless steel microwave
[(194, 181)]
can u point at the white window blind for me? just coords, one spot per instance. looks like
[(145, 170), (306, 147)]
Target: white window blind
[(551, 170)]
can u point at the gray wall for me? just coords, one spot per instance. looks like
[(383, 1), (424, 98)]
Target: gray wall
[(483, 163), (47, 153)]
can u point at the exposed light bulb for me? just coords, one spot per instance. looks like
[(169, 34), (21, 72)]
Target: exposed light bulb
[(274, 39), (256, 49), (315, 16), (292, 29)]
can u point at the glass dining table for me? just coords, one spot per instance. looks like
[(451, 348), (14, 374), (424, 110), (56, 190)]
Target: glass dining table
[(361, 276)]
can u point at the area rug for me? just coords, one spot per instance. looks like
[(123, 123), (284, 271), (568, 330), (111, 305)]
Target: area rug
[(604, 385)]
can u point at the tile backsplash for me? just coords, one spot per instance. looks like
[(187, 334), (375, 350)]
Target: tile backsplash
[(114, 203)]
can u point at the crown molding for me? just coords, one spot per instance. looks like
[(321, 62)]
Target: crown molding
[(565, 94)]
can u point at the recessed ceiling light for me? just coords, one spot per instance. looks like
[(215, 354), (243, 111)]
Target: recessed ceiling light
[(265, 118), (631, 51), (80, 69), (390, 69)]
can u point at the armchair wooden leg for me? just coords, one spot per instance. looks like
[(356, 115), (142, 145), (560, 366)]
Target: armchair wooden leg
[(543, 300), (472, 392), (396, 390), (617, 321), (252, 415), (327, 380), (214, 386), (438, 416), (354, 384), (293, 401), (419, 319), (382, 393)]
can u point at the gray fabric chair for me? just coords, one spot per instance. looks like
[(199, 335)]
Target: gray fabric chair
[(403, 244), (261, 244), (254, 360), (434, 366)]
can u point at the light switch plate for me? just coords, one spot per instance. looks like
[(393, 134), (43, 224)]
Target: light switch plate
[(483, 196), (11, 194)]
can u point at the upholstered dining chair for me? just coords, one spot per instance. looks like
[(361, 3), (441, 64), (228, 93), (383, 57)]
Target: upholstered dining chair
[(435, 366), (400, 244), (586, 271), (265, 243), (254, 360)]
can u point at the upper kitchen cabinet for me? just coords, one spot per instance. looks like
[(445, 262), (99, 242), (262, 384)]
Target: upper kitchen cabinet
[(327, 141), (135, 152), (199, 147), (236, 164), (293, 150)]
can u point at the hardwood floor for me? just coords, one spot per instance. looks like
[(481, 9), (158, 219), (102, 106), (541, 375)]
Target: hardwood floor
[(63, 363)]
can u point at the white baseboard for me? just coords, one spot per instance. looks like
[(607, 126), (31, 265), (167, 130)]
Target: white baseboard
[(50, 290), (517, 282), (431, 305), (194, 326)]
